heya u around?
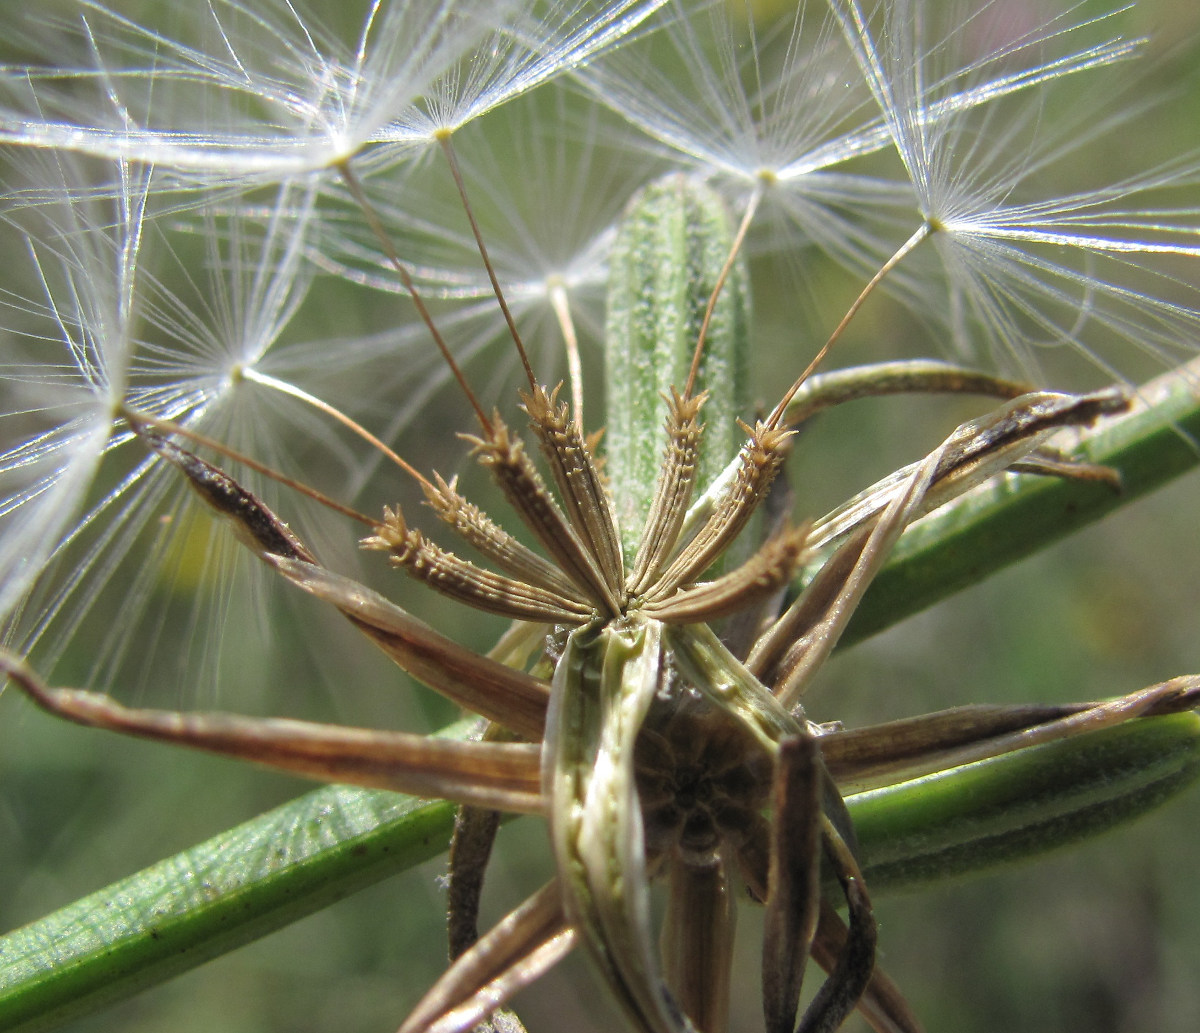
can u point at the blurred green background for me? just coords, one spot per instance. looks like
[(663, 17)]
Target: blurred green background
[(1104, 937)]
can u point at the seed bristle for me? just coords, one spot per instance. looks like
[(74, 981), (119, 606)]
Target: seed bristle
[(673, 492), (761, 459), (767, 571), (580, 487), (515, 474), (460, 579), (478, 529)]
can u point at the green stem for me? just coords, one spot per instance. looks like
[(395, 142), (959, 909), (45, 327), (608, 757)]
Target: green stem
[(201, 903)]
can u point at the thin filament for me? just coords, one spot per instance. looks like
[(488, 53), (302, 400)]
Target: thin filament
[(562, 310), (739, 238), (448, 149), (406, 279), (295, 392), (925, 229)]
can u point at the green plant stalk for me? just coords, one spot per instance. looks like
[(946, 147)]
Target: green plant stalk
[(968, 819), (201, 903)]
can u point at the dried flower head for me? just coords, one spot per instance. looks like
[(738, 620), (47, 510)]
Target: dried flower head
[(647, 701)]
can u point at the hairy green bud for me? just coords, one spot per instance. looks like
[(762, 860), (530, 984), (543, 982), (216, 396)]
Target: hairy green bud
[(671, 247)]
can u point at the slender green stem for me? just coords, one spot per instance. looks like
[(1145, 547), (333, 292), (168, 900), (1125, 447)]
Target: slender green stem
[(206, 901)]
